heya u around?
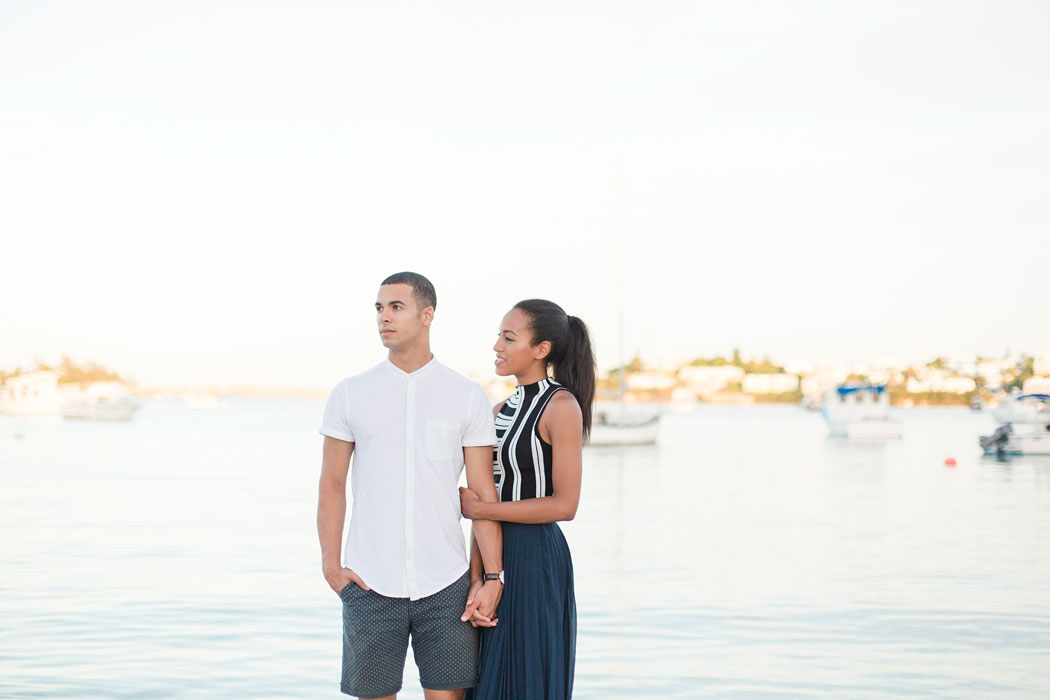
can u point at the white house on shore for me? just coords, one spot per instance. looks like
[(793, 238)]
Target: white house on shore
[(709, 379), (31, 394), (1036, 385), (770, 383), (651, 380), (940, 380)]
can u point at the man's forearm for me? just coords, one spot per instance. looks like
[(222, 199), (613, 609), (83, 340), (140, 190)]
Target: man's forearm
[(478, 462), (331, 512)]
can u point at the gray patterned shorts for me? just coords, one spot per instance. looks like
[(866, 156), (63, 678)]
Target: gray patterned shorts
[(376, 631)]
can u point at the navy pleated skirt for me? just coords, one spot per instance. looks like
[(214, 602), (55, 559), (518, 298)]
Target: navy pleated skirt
[(531, 653)]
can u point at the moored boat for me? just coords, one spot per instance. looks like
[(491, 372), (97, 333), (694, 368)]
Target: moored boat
[(1025, 428), (1023, 408), (618, 423), (104, 409), (859, 410), (1017, 439)]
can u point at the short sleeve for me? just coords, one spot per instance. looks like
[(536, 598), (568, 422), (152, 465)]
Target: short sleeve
[(481, 428), (336, 421)]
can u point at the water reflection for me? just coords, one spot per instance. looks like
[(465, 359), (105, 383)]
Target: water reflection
[(748, 555)]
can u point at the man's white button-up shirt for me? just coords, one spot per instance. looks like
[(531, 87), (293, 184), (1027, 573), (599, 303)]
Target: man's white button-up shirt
[(409, 431)]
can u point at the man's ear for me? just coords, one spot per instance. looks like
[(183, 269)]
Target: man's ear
[(428, 315), (541, 351)]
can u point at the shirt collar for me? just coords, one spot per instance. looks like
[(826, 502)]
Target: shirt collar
[(402, 373)]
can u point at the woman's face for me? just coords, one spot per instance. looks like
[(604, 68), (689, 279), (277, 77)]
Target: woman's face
[(514, 349)]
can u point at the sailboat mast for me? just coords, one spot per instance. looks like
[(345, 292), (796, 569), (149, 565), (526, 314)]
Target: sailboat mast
[(620, 215)]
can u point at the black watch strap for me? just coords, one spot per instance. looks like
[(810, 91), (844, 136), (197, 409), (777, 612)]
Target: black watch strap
[(494, 577)]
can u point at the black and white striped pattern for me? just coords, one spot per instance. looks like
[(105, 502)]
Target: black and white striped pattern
[(523, 460)]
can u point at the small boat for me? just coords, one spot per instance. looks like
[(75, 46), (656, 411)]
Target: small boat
[(1017, 439), (102, 401), (618, 423), (1023, 408), (1025, 428), (859, 410), (103, 409)]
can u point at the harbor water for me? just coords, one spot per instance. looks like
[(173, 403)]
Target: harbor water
[(747, 555)]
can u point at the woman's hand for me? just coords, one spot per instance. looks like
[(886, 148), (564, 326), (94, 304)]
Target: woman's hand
[(468, 503), (479, 601)]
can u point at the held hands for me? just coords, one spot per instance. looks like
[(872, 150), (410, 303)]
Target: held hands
[(338, 576), (482, 601), (468, 503)]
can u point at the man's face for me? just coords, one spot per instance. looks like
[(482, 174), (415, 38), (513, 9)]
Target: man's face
[(399, 317)]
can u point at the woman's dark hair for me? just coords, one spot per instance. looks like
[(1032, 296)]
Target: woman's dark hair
[(571, 357)]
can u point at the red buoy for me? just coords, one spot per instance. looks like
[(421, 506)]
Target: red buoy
[(949, 462)]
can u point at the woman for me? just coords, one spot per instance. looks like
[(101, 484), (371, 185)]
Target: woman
[(530, 653)]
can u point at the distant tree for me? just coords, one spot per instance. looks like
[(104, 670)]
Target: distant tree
[(764, 366), (1015, 377), (938, 363), (718, 361), (70, 373)]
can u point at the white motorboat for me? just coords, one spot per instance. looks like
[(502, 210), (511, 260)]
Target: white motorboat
[(104, 409), (1017, 439), (1025, 428), (859, 410), (1023, 408), (618, 423)]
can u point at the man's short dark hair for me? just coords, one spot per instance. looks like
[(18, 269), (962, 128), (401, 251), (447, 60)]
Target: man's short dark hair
[(422, 289)]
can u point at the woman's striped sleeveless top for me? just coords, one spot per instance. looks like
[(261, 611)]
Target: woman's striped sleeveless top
[(522, 464)]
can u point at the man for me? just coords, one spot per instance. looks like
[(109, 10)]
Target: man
[(411, 425)]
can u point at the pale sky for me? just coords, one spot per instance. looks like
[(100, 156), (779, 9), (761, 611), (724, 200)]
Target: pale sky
[(200, 192)]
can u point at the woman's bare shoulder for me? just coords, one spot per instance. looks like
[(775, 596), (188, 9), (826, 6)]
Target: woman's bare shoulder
[(563, 405)]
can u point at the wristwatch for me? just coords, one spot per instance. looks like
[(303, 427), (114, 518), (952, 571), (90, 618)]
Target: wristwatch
[(494, 577)]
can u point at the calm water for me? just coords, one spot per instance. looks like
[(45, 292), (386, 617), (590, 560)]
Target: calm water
[(747, 556)]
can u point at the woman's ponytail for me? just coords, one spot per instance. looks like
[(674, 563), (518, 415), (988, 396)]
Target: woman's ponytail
[(576, 371), (571, 359)]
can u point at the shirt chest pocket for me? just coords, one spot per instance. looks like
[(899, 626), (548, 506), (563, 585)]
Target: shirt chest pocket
[(442, 441)]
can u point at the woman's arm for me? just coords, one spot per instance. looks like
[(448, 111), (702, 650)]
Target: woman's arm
[(563, 422)]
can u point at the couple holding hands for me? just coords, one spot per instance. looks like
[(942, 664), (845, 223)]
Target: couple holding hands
[(500, 625)]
